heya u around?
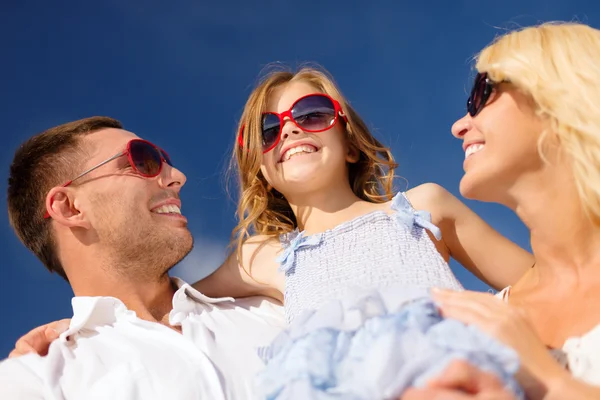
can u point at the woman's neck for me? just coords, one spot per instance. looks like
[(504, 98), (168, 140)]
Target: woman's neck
[(565, 242)]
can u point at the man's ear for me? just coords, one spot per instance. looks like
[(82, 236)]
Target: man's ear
[(352, 154), (62, 206)]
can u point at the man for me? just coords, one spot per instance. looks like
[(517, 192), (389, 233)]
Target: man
[(99, 206)]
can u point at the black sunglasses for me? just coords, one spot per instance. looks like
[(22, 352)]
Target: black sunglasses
[(480, 94)]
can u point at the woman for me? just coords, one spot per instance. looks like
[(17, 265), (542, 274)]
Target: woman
[(532, 142)]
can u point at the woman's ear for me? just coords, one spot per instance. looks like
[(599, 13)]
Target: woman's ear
[(61, 205)]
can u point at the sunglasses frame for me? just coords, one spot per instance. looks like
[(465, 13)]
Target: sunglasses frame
[(337, 108), (480, 79), (164, 158)]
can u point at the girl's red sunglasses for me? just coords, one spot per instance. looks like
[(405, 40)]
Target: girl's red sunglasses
[(312, 113), (144, 157)]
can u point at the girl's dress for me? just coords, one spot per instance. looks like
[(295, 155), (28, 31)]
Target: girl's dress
[(362, 323)]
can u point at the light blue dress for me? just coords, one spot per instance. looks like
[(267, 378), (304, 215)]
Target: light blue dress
[(362, 323)]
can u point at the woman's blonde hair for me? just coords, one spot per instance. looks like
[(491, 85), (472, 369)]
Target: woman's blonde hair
[(558, 64), (262, 210)]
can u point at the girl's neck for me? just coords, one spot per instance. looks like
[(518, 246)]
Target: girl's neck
[(326, 208)]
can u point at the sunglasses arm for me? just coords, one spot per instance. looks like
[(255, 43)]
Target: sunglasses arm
[(47, 214), (98, 166)]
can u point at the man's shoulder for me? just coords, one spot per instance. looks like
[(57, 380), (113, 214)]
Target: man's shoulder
[(21, 377), (29, 361)]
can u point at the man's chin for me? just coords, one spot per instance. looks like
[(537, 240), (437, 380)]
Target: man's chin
[(182, 250)]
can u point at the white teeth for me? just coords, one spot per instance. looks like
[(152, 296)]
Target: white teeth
[(168, 209), (298, 150), (474, 148)]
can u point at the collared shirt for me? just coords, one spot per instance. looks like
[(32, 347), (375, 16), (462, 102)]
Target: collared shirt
[(110, 353)]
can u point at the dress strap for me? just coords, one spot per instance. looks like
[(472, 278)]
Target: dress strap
[(291, 242), (408, 216)]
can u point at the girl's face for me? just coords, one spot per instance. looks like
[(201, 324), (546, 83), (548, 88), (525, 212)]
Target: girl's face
[(304, 162), (500, 144)]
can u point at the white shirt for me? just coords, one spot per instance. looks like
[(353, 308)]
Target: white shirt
[(109, 353)]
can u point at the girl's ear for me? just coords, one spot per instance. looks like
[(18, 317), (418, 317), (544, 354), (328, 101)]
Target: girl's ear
[(352, 154)]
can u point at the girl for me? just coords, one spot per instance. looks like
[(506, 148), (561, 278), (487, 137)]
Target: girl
[(310, 171), (321, 231)]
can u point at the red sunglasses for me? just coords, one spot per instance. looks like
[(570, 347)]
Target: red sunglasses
[(144, 157), (312, 113)]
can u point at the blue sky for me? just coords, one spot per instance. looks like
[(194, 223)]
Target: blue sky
[(179, 75)]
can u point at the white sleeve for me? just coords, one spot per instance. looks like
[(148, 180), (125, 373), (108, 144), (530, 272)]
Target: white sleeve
[(20, 378)]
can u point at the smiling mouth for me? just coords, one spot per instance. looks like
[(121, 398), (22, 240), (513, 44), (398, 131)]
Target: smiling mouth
[(168, 209), (298, 150), (474, 148)]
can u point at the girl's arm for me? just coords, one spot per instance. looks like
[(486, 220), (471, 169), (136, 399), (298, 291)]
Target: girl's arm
[(38, 340), (255, 275), (469, 240)]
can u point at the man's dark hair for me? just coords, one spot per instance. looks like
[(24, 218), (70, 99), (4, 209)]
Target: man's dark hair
[(44, 161)]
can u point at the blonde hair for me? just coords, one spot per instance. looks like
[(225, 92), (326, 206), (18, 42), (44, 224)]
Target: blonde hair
[(264, 211), (558, 65)]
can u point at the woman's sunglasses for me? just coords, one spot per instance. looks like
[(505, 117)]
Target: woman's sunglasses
[(144, 158), (480, 94), (312, 113)]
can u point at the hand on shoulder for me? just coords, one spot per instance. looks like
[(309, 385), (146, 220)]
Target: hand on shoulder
[(38, 340)]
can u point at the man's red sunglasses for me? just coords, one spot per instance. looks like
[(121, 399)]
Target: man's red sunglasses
[(315, 112), (144, 157)]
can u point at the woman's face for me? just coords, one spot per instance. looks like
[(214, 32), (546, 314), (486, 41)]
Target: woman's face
[(500, 144), (303, 161)]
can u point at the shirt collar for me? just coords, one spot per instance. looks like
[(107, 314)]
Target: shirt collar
[(184, 287), (90, 312)]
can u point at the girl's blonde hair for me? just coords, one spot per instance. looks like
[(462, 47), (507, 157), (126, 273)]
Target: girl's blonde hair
[(558, 64), (262, 210)]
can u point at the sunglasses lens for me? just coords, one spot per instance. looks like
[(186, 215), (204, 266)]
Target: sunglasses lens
[(146, 158), (166, 157), (270, 130), (477, 98), (314, 113)]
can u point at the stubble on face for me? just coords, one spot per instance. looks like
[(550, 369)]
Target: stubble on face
[(135, 243)]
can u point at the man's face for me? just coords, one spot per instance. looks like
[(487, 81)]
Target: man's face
[(136, 219)]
